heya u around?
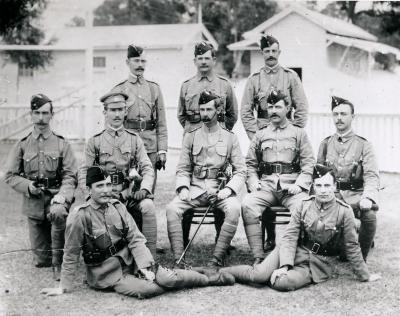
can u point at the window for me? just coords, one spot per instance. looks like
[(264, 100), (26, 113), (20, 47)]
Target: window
[(25, 71), (99, 62)]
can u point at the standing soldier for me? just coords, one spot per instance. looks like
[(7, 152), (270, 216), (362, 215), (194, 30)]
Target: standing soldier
[(206, 79), (279, 168), (206, 153), (356, 170), (122, 154), (145, 109), (272, 77), (43, 168)]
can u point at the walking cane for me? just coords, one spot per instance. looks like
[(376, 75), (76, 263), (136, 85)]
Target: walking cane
[(201, 222)]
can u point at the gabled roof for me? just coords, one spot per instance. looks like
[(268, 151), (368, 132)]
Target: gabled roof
[(148, 36), (330, 24)]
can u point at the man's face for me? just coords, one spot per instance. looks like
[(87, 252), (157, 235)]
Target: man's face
[(137, 65), (342, 118), (42, 116), (100, 192), (208, 112), (271, 55), (277, 112), (115, 114), (324, 188), (205, 63)]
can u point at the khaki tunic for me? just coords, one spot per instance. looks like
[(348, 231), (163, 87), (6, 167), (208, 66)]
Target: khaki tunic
[(327, 215), (117, 150), (345, 152), (146, 102), (281, 144), (38, 156), (190, 94), (259, 86), (104, 220), (211, 151)]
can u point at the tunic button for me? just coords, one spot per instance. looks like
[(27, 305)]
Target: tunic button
[(41, 162)]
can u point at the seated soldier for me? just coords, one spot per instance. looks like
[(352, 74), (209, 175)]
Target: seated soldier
[(114, 250), (206, 153), (318, 229)]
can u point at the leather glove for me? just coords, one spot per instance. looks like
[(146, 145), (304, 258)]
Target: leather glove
[(161, 160), (140, 195), (57, 212)]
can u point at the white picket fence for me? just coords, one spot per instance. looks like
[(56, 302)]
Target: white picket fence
[(382, 130)]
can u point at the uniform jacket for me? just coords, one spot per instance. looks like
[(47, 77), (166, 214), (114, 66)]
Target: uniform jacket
[(145, 99), (344, 153), (38, 156), (260, 84), (190, 94), (327, 215), (210, 150), (281, 144), (104, 219), (117, 149)]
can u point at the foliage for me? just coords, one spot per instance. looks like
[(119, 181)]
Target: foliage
[(17, 26)]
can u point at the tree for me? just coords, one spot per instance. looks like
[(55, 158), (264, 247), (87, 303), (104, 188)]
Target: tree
[(17, 26)]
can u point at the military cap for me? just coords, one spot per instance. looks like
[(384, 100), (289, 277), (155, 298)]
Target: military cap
[(202, 48), (276, 96), (321, 170), (267, 41), (38, 100), (95, 174), (134, 51), (207, 96), (113, 97), (336, 101)]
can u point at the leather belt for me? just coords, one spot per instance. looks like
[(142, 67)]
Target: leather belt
[(279, 168), (141, 125), (194, 118), (202, 173), (318, 249), (348, 185), (97, 255), (46, 183)]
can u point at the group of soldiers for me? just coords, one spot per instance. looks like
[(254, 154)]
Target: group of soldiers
[(116, 228)]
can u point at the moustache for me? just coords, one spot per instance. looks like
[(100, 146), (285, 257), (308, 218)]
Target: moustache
[(274, 115), (205, 119), (339, 122), (140, 68), (271, 58)]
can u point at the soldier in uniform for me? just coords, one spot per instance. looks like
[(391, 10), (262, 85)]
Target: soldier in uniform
[(145, 109), (43, 168), (318, 229), (279, 168), (356, 170), (272, 77), (206, 79), (114, 249), (122, 153), (206, 153)]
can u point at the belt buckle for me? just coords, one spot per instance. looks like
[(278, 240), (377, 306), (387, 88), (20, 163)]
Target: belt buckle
[(278, 168), (142, 124), (114, 179), (112, 250), (315, 248)]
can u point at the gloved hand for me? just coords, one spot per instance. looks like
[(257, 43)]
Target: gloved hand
[(58, 198), (161, 160), (57, 212), (140, 195), (34, 190)]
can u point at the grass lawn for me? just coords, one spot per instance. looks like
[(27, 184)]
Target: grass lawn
[(20, 282)]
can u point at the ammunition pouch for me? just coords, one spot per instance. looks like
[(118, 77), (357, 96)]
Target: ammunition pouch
[(118, 177), (194, 117), (279, 168), (94, 255), (353, 185), (318, 249), (140, 125), (46, 183)]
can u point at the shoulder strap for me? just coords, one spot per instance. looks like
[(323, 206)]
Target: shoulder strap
[(88, 223), (96, 142), (125, 228)]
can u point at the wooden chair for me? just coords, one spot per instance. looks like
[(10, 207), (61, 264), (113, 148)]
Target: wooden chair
[(280, 212), (194, 216)]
